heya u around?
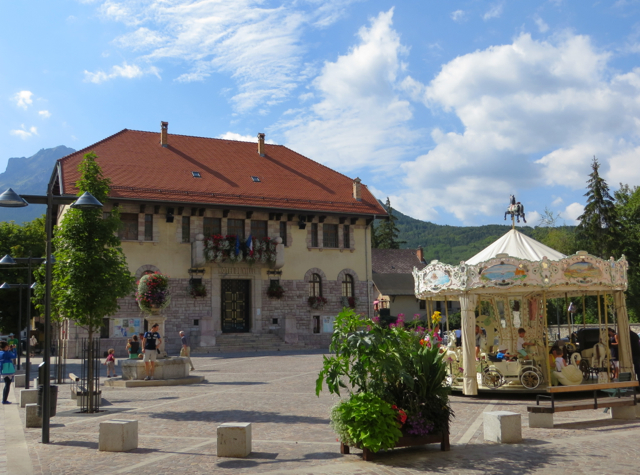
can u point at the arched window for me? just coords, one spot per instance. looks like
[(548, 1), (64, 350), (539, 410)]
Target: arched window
[(315, 286), (347, 286)]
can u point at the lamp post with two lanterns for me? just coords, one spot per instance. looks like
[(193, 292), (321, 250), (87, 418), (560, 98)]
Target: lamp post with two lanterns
[(10, 199)]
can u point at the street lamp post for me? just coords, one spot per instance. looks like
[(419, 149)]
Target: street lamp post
[(10, 199), (10, 261)]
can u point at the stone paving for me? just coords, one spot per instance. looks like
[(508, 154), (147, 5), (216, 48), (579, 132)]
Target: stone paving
[(291, 433)]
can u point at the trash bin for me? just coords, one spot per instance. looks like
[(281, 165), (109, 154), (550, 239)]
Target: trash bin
[(53, 400)]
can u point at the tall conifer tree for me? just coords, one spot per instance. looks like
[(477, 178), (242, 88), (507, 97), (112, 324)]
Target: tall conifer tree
[(386, 236), (598, 228)]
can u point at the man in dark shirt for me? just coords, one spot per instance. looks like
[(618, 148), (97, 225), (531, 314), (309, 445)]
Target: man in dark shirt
[(150, 343), (635, 352)]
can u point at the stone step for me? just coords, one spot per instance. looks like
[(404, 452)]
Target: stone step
[(246, 349)]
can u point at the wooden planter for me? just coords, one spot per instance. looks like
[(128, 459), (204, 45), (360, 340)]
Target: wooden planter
[(408, 441)]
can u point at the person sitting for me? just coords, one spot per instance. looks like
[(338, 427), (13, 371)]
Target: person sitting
[(521, 343), (502, 355)]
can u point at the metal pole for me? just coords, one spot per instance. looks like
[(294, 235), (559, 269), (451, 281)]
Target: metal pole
[(19, 320), (546, 340), (46, 409), (27, 372)]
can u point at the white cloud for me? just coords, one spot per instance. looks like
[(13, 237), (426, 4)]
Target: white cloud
[(458, 15), (23, 133), (360, 119), (533, 218), (23, 99), (557, 202), (259, 46), (44, 114), (494, 12), (242, 138), (540, 23), (571, 213), (128, 71), (534, 113)]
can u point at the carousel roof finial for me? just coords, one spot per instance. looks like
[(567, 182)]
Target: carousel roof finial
[(516, 210)]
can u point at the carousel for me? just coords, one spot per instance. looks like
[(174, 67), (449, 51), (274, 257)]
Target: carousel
[(503, 292)]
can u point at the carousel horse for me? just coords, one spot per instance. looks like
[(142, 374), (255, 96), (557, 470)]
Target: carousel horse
[(516, 209)]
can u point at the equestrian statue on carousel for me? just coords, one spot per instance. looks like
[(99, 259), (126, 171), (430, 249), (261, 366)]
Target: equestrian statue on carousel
[(516, 210)]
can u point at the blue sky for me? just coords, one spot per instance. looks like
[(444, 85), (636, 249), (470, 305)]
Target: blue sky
[(446, 107)]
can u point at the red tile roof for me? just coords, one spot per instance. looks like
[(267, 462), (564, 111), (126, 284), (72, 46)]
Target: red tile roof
[(140, 168)]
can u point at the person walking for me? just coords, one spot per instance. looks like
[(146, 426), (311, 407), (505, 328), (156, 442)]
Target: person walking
[(150, 344), (185, 351), (7, 369), (13, 341), (111, 363), (33, 342)]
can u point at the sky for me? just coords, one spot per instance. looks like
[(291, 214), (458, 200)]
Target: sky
[(445, 107)]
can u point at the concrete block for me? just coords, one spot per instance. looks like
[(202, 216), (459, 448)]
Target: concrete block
[(28, 396), (540, 421), (623, 412), (32, 419), (234, 439), (19, 380), (118, 436), (503, 427)]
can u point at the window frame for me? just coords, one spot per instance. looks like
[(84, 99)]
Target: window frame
[(211, 225), (330, 236), (148, 227), (259, 233), (283, 235), (186, 229), (348, 286), (315, 285), (314, 235), (128, 226), (346, 236), (229, 232)]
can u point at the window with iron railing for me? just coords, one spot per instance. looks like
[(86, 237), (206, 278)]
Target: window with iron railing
[(347, 286), (329, 235), (315, 286)]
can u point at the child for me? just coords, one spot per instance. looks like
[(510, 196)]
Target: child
[(111, 363)]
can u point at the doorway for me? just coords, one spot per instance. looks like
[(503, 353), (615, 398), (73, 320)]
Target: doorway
[(236, 305)]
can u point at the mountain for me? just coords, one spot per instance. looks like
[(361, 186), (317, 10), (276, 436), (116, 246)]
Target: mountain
[(449, 244), (29, 176)]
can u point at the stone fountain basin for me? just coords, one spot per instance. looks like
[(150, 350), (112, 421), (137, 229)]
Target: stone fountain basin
[(167, 368)]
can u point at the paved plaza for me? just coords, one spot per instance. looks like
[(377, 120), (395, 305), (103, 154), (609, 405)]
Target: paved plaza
[(291, 433)]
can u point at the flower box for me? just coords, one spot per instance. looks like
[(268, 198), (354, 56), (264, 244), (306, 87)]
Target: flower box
[(407, 441), (232, 249)]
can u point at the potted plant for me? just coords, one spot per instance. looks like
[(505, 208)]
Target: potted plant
[(349, 302), (317, 302), (395, 375), (197, 289), (275, 290), (153, 293)]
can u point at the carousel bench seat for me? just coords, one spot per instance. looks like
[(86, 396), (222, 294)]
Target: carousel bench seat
[(623, 407)]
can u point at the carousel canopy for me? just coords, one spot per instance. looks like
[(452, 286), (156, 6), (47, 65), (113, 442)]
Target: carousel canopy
[(516, 244)]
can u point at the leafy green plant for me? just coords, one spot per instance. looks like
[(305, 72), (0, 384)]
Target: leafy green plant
[(366, 421)]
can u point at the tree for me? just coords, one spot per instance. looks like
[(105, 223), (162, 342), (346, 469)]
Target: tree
[(90, 272), (386, 235), (628, 209), (598, 228), (562, 238), (18, 241)]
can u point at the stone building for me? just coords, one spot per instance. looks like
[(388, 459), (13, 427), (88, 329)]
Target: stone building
[(394, 284), (175, 191)]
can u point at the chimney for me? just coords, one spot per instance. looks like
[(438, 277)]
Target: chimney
[(420, 255), (261, 144), (357, 194), (164, 131)]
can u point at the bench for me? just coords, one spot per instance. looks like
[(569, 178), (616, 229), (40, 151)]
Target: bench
[(75, 390), (541, 416)]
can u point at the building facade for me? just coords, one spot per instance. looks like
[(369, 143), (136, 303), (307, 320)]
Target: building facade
[(175, 192)]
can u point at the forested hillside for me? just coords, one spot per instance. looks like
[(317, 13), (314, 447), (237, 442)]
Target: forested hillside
[(450, 244)]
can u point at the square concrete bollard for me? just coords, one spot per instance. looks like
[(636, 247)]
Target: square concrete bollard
[(623, 412), (540, 421), (28, 396), (32, 419), (118, 436), (234, 439), (503, 427), (19, 380)]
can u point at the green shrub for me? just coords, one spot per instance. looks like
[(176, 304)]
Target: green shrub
[(366, 421)]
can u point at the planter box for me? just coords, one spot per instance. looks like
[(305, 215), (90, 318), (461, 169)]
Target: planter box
[(408, 441)]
